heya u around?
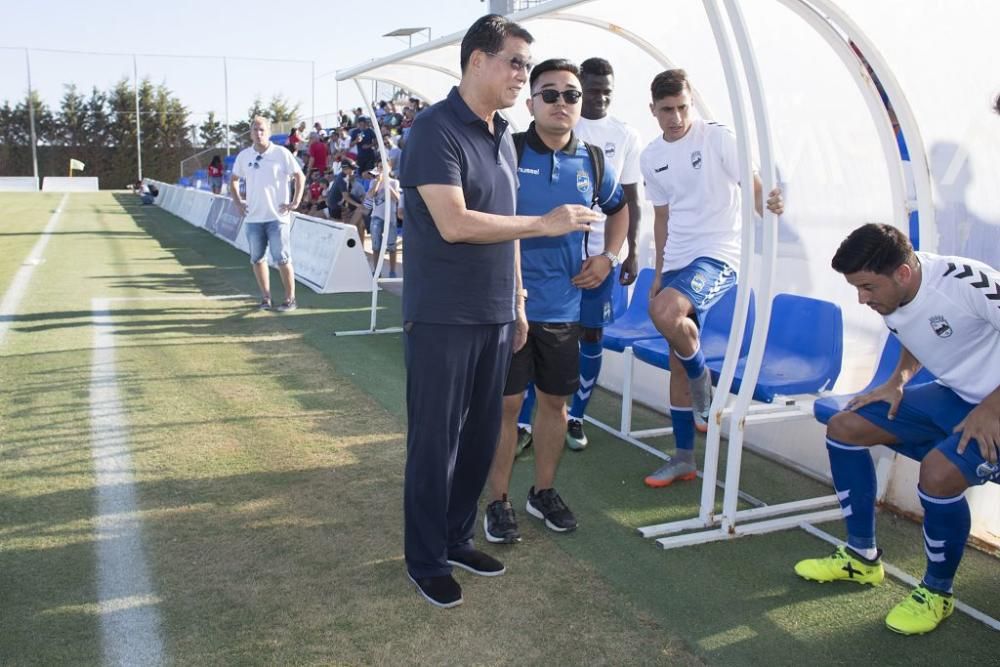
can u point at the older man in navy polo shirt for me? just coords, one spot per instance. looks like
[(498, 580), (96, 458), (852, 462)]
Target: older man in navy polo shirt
[(463, 308)]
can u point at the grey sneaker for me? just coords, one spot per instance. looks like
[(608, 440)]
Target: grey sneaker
[(287, 306), (523, 440), (672, 471), (576, 439), (701, 399), (265, 304)]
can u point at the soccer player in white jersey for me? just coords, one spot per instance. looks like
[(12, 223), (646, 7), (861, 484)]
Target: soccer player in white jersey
[(945, 311), (692, 177), (620, 144)]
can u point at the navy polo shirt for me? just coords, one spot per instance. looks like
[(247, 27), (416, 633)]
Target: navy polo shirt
[(457, 283), (549, 179)]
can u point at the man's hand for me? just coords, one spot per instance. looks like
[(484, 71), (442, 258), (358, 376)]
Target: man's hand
[(568, 218), (983, 425), (775, 202), (241, 206), (286, 208), (654, 288), (891, 392), (630, 269), (520, 327), (595, 270)]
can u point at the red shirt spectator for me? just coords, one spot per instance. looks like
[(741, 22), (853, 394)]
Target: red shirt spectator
[(318, 155)]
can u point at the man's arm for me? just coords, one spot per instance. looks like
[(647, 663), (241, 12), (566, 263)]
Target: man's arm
[(520, 317), (775, 203), (891, 391), (630, 267), (661, 214), (300, 184), (596, 269), (457, 224), (234, 192)]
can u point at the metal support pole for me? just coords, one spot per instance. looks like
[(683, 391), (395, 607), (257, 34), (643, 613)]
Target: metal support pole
[(138, 125), (31, 121), (313, 78), (225, 87)]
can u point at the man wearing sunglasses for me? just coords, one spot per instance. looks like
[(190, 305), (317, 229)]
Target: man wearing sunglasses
[(267, 213), (554, 168), (463, 304)]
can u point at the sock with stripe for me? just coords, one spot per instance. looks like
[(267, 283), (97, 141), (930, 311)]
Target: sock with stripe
[(682, 420), (591, 355), (527, 407), (694, 365), (947, 523), (856, 485)]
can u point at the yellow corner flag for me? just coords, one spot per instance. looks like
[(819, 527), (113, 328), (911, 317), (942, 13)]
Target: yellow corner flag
[(75, 165)]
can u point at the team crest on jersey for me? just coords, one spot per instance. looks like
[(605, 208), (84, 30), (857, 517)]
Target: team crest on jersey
[(696, 159), (698, 283), (582, 181), (606, 314), (941, 326), (609, 149)]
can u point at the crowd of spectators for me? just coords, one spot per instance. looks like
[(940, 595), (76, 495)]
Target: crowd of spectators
[(347, 180)]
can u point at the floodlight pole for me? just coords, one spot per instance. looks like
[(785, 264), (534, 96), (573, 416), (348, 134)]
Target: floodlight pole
[(313, 78), (31, 120), (225, 87), (138, 125)]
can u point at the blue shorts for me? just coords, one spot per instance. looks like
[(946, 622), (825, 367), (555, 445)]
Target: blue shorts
[(596, 305), (378, 225), (703, 282), (926, 417), (273, 234)]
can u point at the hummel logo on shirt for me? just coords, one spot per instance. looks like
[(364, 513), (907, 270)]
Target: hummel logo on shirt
[(526, 170)]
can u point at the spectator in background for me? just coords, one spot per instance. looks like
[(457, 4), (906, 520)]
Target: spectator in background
[(354, 201), (293, 140), (303, 144), (365, 143), (340, 187), (394, 155), (318, 154), (266, 210), (383, 186), (315, 202), (215, 170)]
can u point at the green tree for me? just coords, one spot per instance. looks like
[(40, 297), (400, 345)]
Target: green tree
[(71, 121), (211, 132), (280, 111), (241, 130), (98, 122)]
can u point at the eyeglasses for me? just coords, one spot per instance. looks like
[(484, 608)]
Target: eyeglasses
[(256, 163), (515, 63), (550, 96)]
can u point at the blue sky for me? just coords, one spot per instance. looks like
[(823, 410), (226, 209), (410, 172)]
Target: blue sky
[(333, 34)]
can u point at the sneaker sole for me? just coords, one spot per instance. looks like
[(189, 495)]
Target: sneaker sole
[(497, 540), (830, 581), (439, 605), (657, 484), (530, 509), (481, 573), (911, 634), (576, 445)]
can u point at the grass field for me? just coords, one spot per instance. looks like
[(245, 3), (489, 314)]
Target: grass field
[(265, 456)]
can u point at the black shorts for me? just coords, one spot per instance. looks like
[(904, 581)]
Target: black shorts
[(550, 359)]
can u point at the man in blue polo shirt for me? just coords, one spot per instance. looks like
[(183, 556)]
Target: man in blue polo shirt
[(463, 304), (554, 168)]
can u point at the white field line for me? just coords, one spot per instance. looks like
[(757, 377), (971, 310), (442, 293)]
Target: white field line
[(130, 621), (19, 286)]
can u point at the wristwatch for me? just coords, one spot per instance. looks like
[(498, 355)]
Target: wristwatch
[(523, 293), (612, 257)]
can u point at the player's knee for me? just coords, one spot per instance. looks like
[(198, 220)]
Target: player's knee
[(589, 335), (940, 477), (666, 315), (551, 404), (846, 427)]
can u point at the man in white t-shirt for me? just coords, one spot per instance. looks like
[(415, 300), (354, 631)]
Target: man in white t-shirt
[(692, 177), (945, 312), (620, 144), (267, 212)]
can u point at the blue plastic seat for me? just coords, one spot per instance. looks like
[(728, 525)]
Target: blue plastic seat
[(634, 324), (714, 335), (828, 406), (804, 349), (619, 297)]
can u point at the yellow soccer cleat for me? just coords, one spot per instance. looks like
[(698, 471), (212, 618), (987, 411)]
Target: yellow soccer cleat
[(922, 611), (841, 565)]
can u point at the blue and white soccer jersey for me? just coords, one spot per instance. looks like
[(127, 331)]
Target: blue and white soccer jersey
[(952, 327)]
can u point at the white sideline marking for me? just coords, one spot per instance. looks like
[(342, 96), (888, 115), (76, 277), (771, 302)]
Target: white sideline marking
[(12, 297), (130, 620), (178, 297)]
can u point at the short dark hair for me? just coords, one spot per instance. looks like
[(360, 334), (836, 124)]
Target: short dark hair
[(669, 83), (596, 67), (996, 104), (873, 247), (553, 65), (487, 35)]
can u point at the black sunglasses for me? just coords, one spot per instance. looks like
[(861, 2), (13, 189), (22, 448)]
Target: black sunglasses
[(550, 96), (256, 163)]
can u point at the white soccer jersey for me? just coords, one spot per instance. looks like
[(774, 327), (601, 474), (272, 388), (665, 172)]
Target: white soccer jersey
[(697, 176), (620, 144), (266, 175), (952, 326)]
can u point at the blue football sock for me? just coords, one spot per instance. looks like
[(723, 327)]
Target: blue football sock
[(695, 364), (946, 528), (527, 407), (855, 482), (591, 355), (683, 422)]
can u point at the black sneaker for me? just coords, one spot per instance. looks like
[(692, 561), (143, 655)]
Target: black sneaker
[(265, 304), (441, 591), (500, 524), (576, 439), (477, 562), (287, 306), (548, 506)]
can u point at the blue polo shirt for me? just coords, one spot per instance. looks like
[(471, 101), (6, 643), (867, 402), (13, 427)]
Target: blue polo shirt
[(457, 283), (549, 179)]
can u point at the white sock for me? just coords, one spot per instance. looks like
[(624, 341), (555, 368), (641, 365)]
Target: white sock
[(868, 554)]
